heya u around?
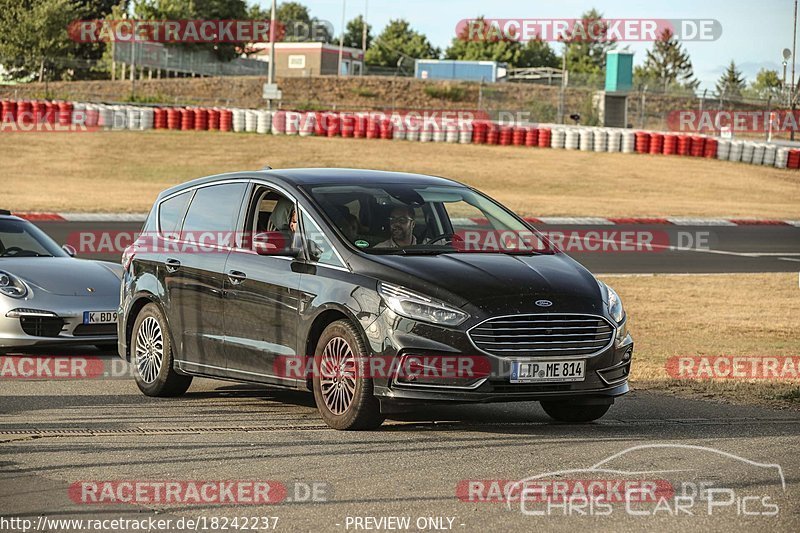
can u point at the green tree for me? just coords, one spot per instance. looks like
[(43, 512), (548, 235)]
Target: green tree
[(538, 53), (587, 46), (399, 41), (731, 83), (35, 38), (667, 65), (488, 45), (354, 33), (197, 9), (300, 26), (767, 84)]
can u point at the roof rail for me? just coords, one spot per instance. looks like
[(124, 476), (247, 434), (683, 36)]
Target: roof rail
[(5, 212)]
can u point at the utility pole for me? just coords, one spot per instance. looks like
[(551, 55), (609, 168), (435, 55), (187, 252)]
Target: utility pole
[(341, 40), (794, 44), (364, 38), (271, 66)]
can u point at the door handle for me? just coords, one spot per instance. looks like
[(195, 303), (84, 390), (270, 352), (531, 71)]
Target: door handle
[(172, 265), (236, 277)]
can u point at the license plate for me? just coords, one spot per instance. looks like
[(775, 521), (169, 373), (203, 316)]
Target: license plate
[(99, 317), (545, 371)]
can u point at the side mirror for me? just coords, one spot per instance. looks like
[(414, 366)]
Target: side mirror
[(70, 250), (275, 243)]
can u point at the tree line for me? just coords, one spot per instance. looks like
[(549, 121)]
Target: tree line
[(36, 45)]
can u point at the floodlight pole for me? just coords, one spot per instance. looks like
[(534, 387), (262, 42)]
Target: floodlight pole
[(341, 40), (271, 66), (364, 37), (794, 44)]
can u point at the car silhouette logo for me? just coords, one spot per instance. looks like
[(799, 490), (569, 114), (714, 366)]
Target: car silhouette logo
[(544, 303)]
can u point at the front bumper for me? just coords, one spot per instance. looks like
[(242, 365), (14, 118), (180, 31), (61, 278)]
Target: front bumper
[(64, 329), (606, 373)]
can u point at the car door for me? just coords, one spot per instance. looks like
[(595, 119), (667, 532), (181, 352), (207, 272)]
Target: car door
[(194, 265), (261, 295)]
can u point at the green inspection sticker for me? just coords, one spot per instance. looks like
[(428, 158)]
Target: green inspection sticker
[(362, 244)]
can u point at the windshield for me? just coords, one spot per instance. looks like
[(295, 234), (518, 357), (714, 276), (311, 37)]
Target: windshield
[(408, 219), (19, 238)]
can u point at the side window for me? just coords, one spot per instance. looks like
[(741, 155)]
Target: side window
[(214, 209), (170, 212), (464, 216), (320, 249)]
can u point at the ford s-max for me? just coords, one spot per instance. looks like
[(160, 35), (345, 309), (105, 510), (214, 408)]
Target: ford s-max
[(378, 291)]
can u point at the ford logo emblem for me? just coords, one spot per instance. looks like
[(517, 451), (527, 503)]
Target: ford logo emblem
[(544, 303)]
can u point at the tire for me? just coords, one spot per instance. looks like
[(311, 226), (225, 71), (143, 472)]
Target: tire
[(151, 356), (575, 412), (345, 399)]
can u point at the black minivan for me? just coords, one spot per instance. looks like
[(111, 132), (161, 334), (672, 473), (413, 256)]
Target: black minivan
[(376, 290)]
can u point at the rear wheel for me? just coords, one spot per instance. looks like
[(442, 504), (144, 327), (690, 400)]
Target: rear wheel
[(152, 356), (575, 412), (343, 387)]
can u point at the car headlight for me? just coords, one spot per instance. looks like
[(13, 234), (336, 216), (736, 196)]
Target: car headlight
[(12, 286), (613, 301), (414, 305)]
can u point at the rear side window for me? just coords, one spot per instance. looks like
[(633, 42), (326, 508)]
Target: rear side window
[(171, 212), (215, 208)]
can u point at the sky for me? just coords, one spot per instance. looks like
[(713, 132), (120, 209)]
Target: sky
[(754, 32)]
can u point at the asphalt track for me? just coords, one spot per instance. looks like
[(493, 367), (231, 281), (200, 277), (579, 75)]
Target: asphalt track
[(736, 467), (672, 249)]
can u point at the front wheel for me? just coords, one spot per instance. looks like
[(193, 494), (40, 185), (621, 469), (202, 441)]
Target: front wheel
[(342, 384), (575, 412), (152, 356)]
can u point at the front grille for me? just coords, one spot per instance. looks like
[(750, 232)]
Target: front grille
[(94, 329), (37, 326), (543, 335)]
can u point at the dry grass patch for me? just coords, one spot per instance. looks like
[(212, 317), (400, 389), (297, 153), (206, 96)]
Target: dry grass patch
[(123, 171), (713, 314)]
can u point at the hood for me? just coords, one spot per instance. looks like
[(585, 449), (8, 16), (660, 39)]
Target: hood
[(499, 283), (64, 276)]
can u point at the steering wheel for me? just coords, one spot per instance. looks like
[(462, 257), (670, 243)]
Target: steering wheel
[(12, 250), (445, 236)]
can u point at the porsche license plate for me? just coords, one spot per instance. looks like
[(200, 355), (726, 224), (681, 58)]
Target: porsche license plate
[(99, 317)]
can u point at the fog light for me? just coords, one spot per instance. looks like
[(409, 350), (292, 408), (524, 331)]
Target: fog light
[(628, 354)]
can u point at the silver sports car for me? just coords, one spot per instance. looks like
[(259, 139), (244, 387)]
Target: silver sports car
[(48, 297)]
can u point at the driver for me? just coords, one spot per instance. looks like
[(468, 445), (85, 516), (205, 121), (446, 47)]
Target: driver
[(401, 226)]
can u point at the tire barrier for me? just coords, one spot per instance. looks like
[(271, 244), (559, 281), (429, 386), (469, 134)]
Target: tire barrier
[(558, 138), (642, 142), (60, 114), (572, 139), (600, 140)]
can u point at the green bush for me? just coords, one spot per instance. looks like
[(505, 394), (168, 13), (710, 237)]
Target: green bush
[(446, 92)]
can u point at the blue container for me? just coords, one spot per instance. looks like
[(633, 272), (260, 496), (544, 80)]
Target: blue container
[(619, 71), (450, 69)]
